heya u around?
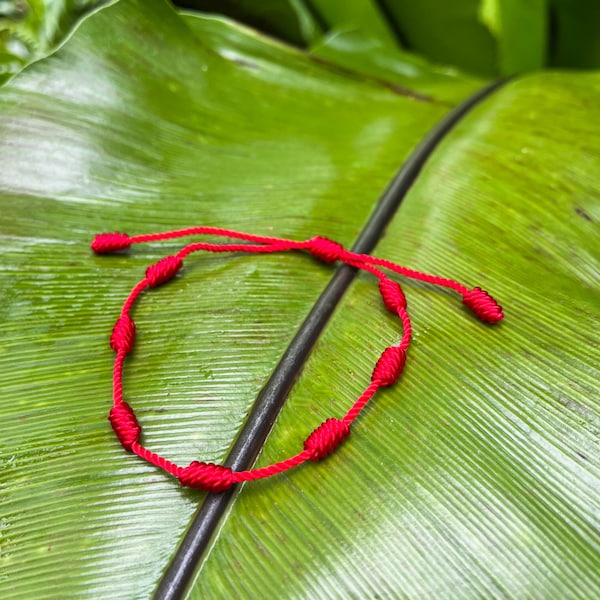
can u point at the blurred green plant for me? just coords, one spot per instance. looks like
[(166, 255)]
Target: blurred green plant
[(29, 29), (486, 38)]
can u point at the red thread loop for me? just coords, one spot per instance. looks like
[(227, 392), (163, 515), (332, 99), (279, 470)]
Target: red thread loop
[(326, 438), (389, 366), (207, 476), (123, 334), (164, 270), (483, 305), (105, 243), (332, 432), (392, 294), (325, 249), (125, 424)]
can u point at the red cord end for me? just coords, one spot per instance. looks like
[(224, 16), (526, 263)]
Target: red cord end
[(105, 243), (207, 476), (483, 305)]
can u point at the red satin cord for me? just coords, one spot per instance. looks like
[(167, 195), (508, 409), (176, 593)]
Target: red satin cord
[(332, 432)]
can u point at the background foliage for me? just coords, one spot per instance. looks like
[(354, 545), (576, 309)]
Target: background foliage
[(484, 37)]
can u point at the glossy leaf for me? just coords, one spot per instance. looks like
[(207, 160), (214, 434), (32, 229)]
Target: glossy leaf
[(359, 16), (145, 121), (29, 29), (291, 20), (446, 32), (522, 33), (477, 475), (369, 56)]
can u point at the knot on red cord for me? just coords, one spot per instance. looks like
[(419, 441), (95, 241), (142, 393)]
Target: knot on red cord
[(105, 243), (389, 366), (123, 334), (125, 424), (164, 270), (207, 476), (392, 294), (483, 305), (326, 438), (325, 249)]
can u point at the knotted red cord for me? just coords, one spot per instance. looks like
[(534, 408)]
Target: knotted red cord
[(331, 433)]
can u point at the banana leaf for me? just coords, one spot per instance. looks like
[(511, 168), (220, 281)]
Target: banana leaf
[(476, 475)]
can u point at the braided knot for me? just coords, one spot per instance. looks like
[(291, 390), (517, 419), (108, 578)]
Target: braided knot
[(123, 334), (483, 305), (125, 424), (389, 366), (207, 476), (326, 438), (325, 249), (164, 270), (392, 295), (105, 243)]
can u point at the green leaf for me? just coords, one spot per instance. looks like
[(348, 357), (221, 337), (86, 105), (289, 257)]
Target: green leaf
[(477, 475), (138, 124), (447, 33), (359, 16), (576, 42), (30, 29), (291, 20), (521, 30), (369, 56)]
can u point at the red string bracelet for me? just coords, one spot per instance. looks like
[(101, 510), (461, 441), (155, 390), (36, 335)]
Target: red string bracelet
[(332, 432)]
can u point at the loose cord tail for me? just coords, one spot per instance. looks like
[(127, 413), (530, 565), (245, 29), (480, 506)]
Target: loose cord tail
[(332, 432), (480, 302)]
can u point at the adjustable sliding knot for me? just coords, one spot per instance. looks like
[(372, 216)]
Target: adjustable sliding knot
[(123, 334), (325, 249), (105, 243), (207, 476), (326, 438), (389, 366), (126, 426), (483, 305), (164, 270), (392, 295)]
